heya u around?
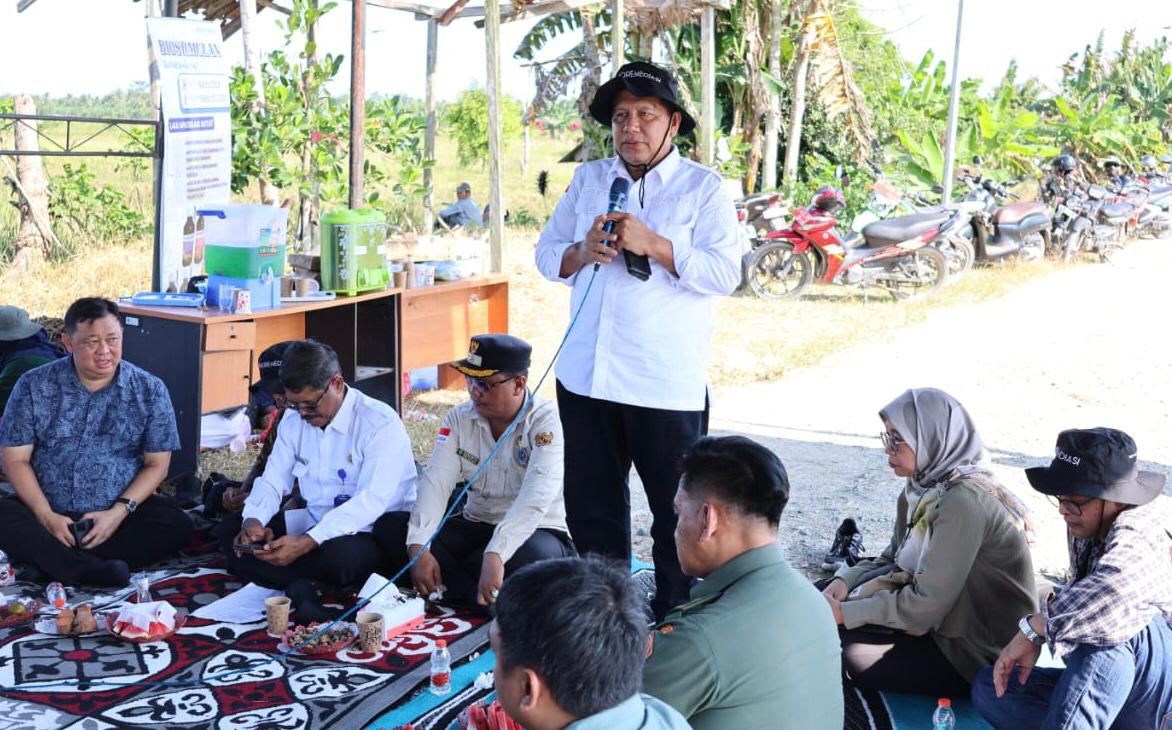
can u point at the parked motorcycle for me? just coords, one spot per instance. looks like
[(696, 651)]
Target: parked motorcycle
[(1089, 224), (1001, 231), (893, 254)]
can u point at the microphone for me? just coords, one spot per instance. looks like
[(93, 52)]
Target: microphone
[(617, 203)]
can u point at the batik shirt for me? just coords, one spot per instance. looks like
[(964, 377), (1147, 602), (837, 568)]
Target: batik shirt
[(1118, 585), (88, 447)]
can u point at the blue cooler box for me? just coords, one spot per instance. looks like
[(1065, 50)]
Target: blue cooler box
[(265, 294)]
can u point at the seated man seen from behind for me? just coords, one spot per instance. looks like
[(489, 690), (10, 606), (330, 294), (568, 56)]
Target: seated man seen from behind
[(351, 457), (87, 440), (514, 514), (1110, 623), (569, 639), (756, 647), (226, 495)]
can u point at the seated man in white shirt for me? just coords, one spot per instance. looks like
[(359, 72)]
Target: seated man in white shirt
[(514, 514), (351, 457)]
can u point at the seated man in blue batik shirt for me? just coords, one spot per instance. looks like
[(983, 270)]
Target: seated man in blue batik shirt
[(87, 440)]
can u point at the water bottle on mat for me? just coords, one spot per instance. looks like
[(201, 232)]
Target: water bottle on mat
[(943, 718), (441, 669), (55, 592), (7, 575)]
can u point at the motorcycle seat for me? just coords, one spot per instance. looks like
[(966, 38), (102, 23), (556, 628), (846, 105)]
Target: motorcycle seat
[(1160, 192), (894, 230), (1016, 212), (1116, 210)]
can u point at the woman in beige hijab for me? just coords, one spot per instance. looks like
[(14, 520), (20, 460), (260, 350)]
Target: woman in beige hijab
[(946, 594)]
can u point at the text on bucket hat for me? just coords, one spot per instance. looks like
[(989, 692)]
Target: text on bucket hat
[(643, 80), (1096, 462)]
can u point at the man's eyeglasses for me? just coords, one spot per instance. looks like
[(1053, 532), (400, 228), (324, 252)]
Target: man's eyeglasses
[(479, 386), (309, 407), (891, 441), (1074, 508)]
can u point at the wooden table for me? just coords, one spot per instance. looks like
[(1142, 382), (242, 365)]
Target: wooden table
[(207, 358)]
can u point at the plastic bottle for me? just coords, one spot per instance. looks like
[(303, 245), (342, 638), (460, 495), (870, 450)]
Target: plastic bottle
[(142, 588), (7, 575), (943, 718), (55, 592), (441, 669)]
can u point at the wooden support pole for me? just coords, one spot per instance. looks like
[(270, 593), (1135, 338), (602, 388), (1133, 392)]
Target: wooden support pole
[(357, 102), (492, 49), (268, 191), (618, 27), (429, 132), (708, 85), (773, 120)]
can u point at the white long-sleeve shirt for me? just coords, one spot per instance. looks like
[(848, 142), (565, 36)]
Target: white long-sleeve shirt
[(645, 343), (364, 453)]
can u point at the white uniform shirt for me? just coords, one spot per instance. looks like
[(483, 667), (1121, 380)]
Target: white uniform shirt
[(519, 491), (364, 454), (645, 343)]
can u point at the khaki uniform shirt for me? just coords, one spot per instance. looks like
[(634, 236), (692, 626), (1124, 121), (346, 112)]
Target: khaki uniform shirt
[(519, 491), (755, 649)]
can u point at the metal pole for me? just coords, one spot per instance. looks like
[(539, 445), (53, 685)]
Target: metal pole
[(492, 49), (953, 109), (429, 132), (618, 46), (708, 85), (170, 8), (357, 102)]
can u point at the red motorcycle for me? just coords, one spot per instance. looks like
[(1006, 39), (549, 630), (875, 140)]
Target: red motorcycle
[(895, 254)]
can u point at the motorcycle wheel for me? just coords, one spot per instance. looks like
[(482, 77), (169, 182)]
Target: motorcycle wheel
[(923, 272), (774, 271), (959, 253), (1033, 248), (1070, 246)]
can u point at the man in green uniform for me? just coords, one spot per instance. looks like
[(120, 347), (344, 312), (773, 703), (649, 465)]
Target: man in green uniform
[(753, 648)]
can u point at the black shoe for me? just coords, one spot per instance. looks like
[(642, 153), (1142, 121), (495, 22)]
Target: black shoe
[(847, 548)]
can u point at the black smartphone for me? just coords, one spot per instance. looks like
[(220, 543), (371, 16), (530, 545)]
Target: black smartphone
[(80, 529), (248, 547)]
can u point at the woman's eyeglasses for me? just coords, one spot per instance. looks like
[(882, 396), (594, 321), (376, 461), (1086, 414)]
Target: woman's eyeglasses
[(891, 441)]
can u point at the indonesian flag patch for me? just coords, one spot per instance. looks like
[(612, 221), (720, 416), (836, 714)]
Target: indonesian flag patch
[(443, 434)]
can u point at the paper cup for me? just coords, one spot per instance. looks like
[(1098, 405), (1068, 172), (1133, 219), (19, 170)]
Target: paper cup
[(277, 614), (370, 632), (400, 279)]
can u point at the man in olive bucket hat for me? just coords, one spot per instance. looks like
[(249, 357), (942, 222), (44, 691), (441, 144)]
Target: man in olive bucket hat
[(1110, 623), (632, 378)]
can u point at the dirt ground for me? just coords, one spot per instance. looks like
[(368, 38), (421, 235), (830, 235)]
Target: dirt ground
[(1087, 346)]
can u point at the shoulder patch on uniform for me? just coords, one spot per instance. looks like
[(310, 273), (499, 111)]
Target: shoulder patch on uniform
[(442, 435), (666, 629), (545, 438)]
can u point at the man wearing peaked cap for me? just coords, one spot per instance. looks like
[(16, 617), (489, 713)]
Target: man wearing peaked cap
[(632, 378), (514, 514), (1110, 623)]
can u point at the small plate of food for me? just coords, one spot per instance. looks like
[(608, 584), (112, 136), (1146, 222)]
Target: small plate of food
[(157, 630), (75, 621), (302, 640), (18, 611)]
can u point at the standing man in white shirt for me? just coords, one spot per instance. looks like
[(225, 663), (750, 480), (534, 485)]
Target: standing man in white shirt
[(632, 377), (351, 458)]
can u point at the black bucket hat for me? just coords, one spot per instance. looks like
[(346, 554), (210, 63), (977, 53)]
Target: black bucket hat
[(643, 80), (1098, 463)]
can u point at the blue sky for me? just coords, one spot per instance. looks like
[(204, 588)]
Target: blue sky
[(95, 46)]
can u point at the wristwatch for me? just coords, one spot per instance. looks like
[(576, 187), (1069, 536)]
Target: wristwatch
[(131, 505), (1028, 631)]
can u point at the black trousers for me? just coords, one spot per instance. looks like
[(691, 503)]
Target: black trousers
[(603, 439), (459, 550), (342, 562), (158, 529), (892, 661)]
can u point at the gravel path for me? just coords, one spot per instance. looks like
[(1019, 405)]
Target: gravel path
[(1086, 346)]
